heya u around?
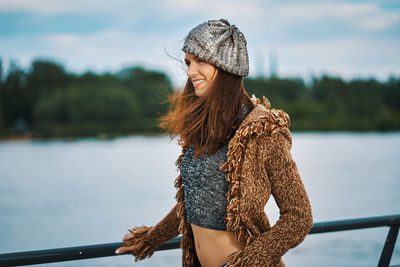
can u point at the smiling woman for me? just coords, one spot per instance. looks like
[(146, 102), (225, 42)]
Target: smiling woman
[(235, 155), (201, 73)]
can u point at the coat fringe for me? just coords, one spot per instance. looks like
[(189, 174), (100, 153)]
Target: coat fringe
[(141, 242), (264, 125), (187, 241)]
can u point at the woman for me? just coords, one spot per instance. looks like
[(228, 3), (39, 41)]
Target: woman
[(235, 154)]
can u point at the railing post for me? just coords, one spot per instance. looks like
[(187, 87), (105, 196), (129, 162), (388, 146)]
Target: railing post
[(387, 251)]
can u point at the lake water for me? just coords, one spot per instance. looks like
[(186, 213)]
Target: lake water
[(68, 193)]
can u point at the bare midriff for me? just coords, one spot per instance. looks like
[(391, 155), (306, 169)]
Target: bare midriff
[(213, 246)]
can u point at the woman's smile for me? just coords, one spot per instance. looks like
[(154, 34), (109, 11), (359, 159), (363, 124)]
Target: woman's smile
[(197, 83), (201, 73)]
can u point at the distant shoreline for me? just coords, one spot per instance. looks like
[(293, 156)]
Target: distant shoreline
[(15, 138), (30, 137)]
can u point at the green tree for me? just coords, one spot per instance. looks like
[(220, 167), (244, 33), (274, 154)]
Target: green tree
[(45, 75), (280, 92), (87, 111), (392, 93), (14, 97), (151, 89), (2, 128)]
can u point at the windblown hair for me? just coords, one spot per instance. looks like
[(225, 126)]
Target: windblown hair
[(207, 122)]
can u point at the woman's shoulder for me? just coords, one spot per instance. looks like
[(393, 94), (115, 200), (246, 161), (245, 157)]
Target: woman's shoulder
[(264, 115), (268, 127), (261, 124)]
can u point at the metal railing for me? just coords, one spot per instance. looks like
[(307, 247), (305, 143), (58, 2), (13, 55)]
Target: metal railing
[(105, 250)]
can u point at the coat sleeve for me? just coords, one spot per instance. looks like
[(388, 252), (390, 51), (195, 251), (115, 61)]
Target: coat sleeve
[(295, 220), (148, 239)]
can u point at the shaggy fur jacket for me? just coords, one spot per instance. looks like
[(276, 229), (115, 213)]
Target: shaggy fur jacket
[(259, 163)]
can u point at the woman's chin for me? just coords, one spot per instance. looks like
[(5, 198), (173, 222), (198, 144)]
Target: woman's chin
[(199, 93)]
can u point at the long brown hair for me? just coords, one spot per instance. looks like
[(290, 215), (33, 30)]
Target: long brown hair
[(207, 122)]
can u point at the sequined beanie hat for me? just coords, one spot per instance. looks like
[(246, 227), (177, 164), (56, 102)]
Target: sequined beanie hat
[(221, 44)]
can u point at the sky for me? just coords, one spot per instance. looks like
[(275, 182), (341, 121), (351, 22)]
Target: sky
[(350, 39)]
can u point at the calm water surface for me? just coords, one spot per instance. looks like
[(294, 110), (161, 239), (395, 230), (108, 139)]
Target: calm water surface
[(68, 193)]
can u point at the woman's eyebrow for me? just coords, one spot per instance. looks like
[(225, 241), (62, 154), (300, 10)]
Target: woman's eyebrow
[(195, 58)]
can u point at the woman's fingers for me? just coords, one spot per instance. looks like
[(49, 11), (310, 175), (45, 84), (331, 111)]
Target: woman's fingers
[(122, 250), (127, 236)]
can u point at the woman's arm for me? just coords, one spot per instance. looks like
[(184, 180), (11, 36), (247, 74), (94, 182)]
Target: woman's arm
[(143, 241), (295, 219)]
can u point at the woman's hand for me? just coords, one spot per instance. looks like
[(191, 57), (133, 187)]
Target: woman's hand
[(138, 243), (125, 247)]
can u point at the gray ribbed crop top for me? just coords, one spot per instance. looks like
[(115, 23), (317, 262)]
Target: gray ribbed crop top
[(205, 187)]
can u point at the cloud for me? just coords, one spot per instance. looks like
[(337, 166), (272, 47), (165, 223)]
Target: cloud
[(347, 57), (314, 20), (50, 7), (334, 36), (103, 51), (41, 6), (113, 46), (125, 13), (364, 16), (234, 9)]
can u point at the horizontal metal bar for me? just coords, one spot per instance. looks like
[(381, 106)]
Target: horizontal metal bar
[(353, 224), (70, 253), (108, 249)]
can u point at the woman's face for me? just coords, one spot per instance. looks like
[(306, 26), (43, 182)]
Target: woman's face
[(200, 73)]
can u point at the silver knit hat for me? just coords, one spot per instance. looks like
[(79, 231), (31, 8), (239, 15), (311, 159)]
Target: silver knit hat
[(221, 44)]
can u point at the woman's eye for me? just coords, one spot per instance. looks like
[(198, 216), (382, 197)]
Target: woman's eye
[(200, 60)]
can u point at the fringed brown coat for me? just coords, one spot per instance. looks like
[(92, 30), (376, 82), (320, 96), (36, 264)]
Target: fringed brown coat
[(259, 163)]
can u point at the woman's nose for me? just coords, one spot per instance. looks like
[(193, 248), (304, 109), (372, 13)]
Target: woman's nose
[(191, 71)]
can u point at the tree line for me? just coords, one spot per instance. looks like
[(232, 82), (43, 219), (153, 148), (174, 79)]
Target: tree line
[(332, 104), (47, 101)]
